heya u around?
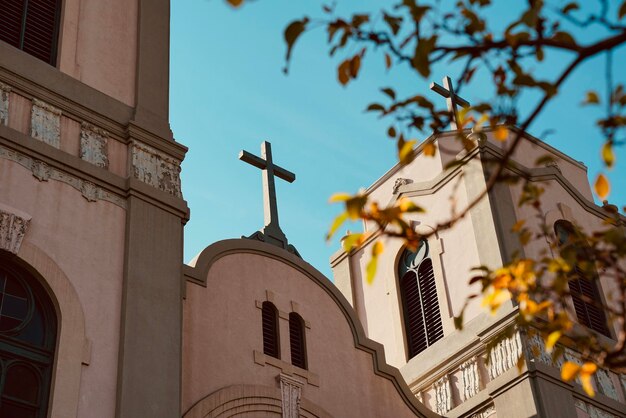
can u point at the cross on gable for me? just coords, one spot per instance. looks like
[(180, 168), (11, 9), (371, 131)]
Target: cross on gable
[(452, 99), (271, 232)]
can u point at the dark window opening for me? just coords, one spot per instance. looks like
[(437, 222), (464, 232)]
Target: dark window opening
[(27, 342), (32, 26), (422, 317), (297, 340), (583, 282), (271, 344)]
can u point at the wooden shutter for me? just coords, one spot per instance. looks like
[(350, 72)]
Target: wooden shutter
[(32, 26), (428, 290), (271, 345), (588, 313), (413, 315), (296, 340)]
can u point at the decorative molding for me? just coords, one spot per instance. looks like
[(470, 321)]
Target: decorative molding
[(94, 145), (45, 123), (487, 412), (156, 168), (286, 368), (399, 183), (555, 165), (591, 410), (470, 378), (4, 103), (504, 355), (443, 395), (43, 172), (291, 394), (605, 384), (13, 227)]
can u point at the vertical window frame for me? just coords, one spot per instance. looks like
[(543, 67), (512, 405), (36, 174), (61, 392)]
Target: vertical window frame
[(270, 329), (297, 340)]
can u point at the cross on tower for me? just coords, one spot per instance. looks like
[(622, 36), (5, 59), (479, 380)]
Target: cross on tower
[(271, 232), (452, 99)]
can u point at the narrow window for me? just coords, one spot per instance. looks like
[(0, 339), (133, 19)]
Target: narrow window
[(582, 284), (27, 342), (297, 340), (418, 291), (32, 26), (271, 344)]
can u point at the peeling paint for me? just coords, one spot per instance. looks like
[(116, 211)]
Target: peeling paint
[(156, 168), (4, 104), (93, 145), (45, 123)]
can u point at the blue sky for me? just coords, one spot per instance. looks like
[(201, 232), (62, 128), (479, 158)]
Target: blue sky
[(228, 93)]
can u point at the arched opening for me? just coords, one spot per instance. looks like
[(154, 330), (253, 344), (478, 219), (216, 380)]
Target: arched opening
[(297, 340), (418, 292), (271, 342), (28, 330), (582, 284)]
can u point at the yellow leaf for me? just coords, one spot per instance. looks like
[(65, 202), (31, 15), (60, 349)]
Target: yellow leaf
[(586, 373), (551, 340), (569, 371), (607, 154), (339, 220), (350, 241), (405, 155), (370, 269), (518, 225), (339, 197), (501, 133), (378, 248), (588, 368), (430, 149), (591, 98), (520, 363), (602, 186)]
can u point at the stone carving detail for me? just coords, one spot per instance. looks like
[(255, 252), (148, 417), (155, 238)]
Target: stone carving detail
[(40, 170), (554, 164), (470, 378), (44, 172), (90, 191), (488, 412), (419, 396), (12, 229), (399, 183), (504, 355), (622, 378), (291, 393), (93, 145), (45, 123), (156, 168), (4, 104), (593, 411), (605, 384), (443, 395)]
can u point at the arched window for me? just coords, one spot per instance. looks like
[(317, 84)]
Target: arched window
[(297, 340), (27, 342), (32, 26), (422, 319), (271, 344), (583, 283)]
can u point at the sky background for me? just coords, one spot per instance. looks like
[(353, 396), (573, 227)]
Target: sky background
[(228, 92)]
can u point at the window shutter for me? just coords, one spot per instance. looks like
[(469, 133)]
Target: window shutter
[(11, 14), (428, 289), (296, 340), (413, 315), (271, 345), (32, 26)]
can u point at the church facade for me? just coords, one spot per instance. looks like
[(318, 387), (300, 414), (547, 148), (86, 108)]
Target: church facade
[(100, 317)]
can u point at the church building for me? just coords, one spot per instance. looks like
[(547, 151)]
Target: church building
[(100, 317)]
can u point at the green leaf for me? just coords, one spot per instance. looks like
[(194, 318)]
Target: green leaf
[(350, 240), (293, 31)]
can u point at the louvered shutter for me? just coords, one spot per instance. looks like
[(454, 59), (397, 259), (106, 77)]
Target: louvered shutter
[(413, 314), (588, 314), (271, 345), (32, 26), (428, 290), (296, 340), (11, 14)]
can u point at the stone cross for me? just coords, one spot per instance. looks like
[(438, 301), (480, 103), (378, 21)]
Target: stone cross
[(452, 99), (271, 232)]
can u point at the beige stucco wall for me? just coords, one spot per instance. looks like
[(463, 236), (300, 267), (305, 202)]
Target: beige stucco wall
[(222, 331), (86, 241), (98, 45)]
